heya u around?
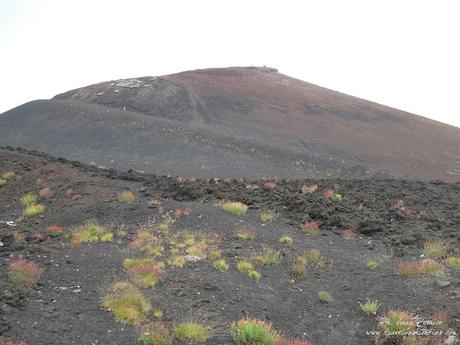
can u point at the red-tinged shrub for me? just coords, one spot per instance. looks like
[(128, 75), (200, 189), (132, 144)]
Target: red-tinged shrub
[(46, 193), (271, 185), (55, 229), (399, 205), (309, 189), (145, 272), (4, 341), (252, 186), (178, 212), (328, 193), (24, 273), (310, 227), (291, 341), (38, 235), (349, 235), (408, 269), (440, 320)]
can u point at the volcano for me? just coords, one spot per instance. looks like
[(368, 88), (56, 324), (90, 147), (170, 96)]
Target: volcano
[(239, 122)]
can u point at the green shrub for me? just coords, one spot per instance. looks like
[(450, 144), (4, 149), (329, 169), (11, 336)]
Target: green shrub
[(396, 324), (126, 197), (244, 266), (155, 333), (3, 182), (285, 239), (29, 200), (266, 217), (91, 232), (453, 262), (299, 267), (434, 250), (372, 264), (220, 265), (34, 211), (254, 275), (8, 175), (235, 208), (253, 332), (245, 234), (127, 303), (314, 257), (192, 332), (370, 307), (325, 296), (24, 273), (268, 257)]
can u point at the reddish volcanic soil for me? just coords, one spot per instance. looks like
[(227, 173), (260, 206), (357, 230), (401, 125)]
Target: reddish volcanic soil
[(260, 121)]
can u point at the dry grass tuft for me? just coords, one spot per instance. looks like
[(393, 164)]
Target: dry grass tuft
[(155, 333), (310, 227), (46, 193), (126, 197)]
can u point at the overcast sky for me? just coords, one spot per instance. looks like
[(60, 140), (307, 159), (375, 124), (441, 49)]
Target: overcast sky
[(402, 53)]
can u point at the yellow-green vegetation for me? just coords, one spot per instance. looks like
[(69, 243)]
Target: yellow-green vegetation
[(144, 272), (336, 197), (370, 307), (3, 182), (253, 332), (244, 266), (434, 250), (267, 217), (203, 246), (158, 313), (245, 234), (8, 175), (192, 332), (126, 197), (314, 257), (430, 266), (167, 220), (146, 242), (254, 275), (127, 303), (287, 240), (397, 324), (453, 262), (235, 208), (299, 267), (325, 296), (121, 233), (155, 333), (372, 264), (91, 232), (29, 200), (177, 261), (34, 210), (414, 269), (220, 265), (268, 257), (107, 237)]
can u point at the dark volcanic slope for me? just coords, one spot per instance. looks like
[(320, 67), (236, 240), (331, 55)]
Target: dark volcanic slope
[(235, 122)]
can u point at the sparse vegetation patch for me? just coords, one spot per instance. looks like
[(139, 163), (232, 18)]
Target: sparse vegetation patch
[(192, 332), (155, 333), (126, 197), (24, 273), (235, 208), (253, 332), (127, 303)]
